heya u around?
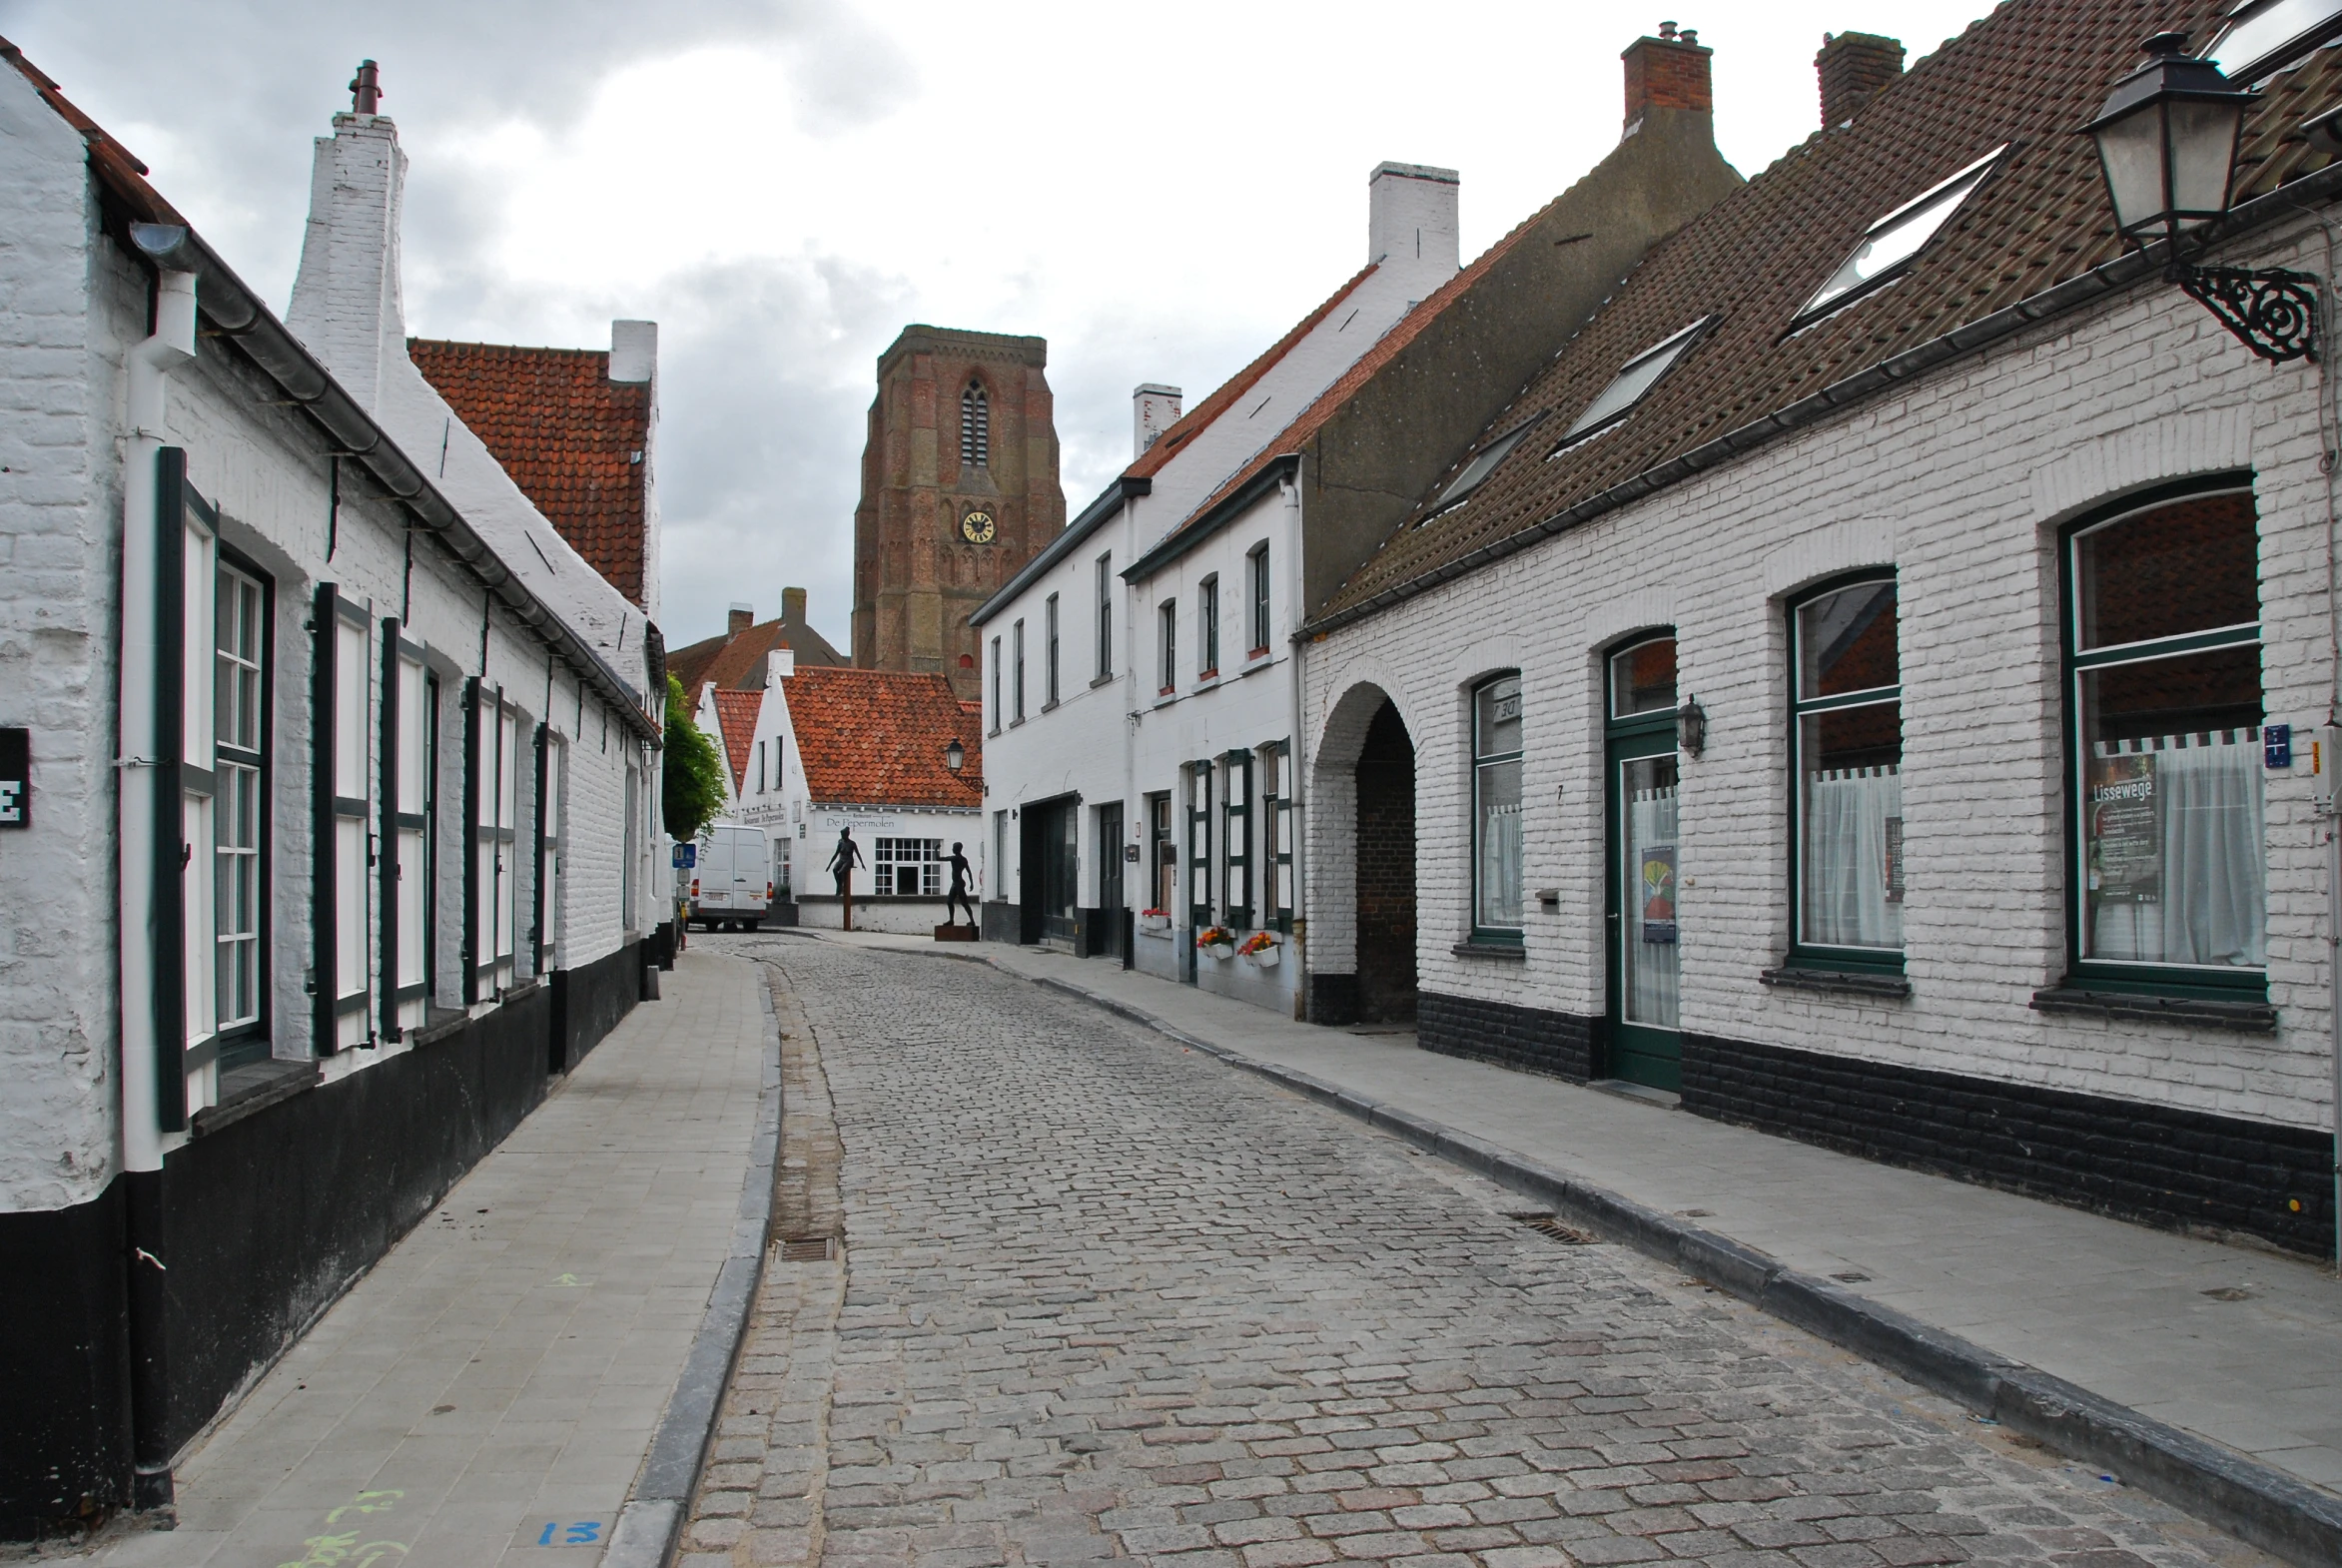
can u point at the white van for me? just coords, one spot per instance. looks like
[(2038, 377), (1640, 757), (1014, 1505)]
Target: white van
[(733, 885)]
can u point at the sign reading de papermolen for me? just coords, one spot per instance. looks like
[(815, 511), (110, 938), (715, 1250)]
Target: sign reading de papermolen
[(16, 778)]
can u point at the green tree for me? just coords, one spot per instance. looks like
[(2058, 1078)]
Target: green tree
[(693, 779)]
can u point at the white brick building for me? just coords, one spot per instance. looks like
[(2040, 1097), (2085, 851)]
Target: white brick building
[(1989, 574), (342, 794), (1142, 675)]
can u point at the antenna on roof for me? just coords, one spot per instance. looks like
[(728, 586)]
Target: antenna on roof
[(366, 87)]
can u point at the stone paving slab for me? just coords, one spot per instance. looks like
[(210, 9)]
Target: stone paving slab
[(486, 1393), (1103, 1298), (2236, 1346)]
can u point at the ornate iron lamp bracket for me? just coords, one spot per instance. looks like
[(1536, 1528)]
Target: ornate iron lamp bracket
[(2274, 312)]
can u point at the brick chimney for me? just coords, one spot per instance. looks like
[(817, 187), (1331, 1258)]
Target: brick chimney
[(1853, 67), (793, 606), (739, 620), (1666, 72)]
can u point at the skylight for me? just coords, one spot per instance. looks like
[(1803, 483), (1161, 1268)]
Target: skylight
[(1631, 384), (2264, 35), (1483, 464), (1894, 239)]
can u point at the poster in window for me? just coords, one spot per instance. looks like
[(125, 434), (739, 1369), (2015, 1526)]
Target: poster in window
[(1658, 922), (2125, 830), (1894, 860)]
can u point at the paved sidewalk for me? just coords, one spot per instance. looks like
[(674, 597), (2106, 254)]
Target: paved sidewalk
[(505, 1367), (2236, 1346)]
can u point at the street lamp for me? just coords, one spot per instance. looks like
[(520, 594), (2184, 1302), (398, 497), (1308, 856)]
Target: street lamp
[(2168, 141), (1691, 727), (954, 755)]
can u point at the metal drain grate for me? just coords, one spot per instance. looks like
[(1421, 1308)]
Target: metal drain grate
[(1543, 1222), (805, 1250)]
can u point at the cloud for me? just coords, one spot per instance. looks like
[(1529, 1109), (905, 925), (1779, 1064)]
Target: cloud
[(785, 184)]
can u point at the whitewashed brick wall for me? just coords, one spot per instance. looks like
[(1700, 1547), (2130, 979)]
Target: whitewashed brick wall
[(71, 304), (1960, 482), (57, 639)]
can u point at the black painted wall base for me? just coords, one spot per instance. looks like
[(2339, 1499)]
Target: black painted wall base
[(589, 1002), (1334, 999), (64, 1365), (1528, 1040), (2157, 1164)]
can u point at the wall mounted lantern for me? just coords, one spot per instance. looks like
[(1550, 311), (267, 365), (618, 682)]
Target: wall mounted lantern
[(954, 755), (2167, 139), (1691, 727)]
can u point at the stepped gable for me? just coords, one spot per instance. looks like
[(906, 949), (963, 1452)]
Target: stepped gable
[(576, 442), (877, 738), (2027, 77)]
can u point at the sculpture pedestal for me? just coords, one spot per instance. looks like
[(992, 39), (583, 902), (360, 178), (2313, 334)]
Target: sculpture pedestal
[(950, 933)]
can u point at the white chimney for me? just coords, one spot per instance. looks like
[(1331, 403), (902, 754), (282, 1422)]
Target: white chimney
[(1411, 218), (345, 298), (1153, 410), (779, 666), (634, 351)]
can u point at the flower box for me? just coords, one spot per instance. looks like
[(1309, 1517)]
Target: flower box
[(1220, 952), (1262, 949), (1156, 922), (1268, 957)]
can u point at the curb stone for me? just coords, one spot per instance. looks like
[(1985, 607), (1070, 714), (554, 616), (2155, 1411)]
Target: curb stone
[(2255, 1502), (652, 1520)]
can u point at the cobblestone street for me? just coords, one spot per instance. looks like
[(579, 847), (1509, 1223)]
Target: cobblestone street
[(1097, 1296)]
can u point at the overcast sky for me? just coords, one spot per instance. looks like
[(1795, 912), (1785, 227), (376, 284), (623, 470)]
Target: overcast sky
[(1160, 190)]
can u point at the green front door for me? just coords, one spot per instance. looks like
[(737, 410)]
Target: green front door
[(1645, 1041), (1645, 969)]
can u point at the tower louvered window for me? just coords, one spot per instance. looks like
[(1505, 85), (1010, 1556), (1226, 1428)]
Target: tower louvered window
[(975, 428)]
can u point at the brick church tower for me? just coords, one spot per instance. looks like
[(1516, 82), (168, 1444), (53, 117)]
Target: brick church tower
[(959, 489)]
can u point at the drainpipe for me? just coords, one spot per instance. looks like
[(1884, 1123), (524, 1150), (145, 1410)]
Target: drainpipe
[(140, 883), (1298, 764)]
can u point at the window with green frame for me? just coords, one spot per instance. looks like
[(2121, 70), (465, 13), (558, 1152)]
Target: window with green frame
[(1845, 803), (1497, 809), (2168, 888)]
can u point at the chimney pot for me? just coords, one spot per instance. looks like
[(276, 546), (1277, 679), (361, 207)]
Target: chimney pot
[(1853, 67), (1666, 72), (793, 606), (366, 87), (742, 617), (1154, 408)]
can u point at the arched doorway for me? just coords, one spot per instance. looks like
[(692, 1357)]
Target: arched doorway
[(1385, 869)]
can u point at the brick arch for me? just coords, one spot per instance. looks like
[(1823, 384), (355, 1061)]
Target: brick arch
[(1362, 861)]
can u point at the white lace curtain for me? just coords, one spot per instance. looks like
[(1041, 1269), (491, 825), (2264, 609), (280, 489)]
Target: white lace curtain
[(2212, 905), (1654, 968), (1500, 861), (1850, 876)]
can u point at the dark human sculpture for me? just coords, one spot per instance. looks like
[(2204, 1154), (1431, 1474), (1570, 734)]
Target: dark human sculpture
[(962, 880), (843, 860)]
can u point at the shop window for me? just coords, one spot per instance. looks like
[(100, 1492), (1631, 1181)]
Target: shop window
[(1847, 802), (2163, 698), (1497, 809), (908, 868)]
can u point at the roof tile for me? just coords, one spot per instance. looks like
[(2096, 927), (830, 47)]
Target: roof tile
[(576, 442), (877, 737)]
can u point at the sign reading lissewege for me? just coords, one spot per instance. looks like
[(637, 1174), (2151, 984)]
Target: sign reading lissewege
[(16, 778), (2126, 837)]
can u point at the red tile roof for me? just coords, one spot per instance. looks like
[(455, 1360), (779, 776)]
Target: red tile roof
[(2026, 77), (574, 440), (737, 715), (120, 171), (877, 738), (1189, 424), (730, 662)]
